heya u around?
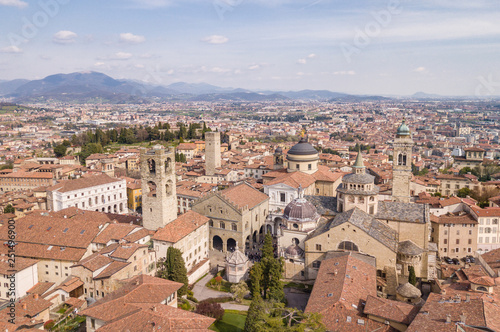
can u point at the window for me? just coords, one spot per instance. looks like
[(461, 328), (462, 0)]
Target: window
[(318, 247), (234, 227), (470, 231), (458, 232), (445, 232), (222, 225), (445, 241), (282, 197), (470, 241), (316, 264), (458, 241), (297, 166), (309, 167)]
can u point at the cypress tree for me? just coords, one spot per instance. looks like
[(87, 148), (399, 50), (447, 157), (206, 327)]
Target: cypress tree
[(255, 279), (255, 316), (267, 249), (412, 277), (176, 269)]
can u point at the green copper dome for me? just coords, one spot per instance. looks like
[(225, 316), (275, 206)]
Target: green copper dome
[(403, 129)]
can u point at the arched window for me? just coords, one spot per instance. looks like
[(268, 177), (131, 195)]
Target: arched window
[(348, 245), (211, 223), (351, 199), (482, 289), (402, 159), (234, 227), (222, 225), (361, 199), (121, 207), (168, 188), (168, 164), (152, 189), (152, 166)]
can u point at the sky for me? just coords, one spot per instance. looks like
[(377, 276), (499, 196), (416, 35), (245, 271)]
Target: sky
[(391, 47)]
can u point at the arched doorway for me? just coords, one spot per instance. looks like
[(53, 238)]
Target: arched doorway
[(254, 236), (261, 233), (217, 243), (247, 243), (231, 245), (270, 229), (348, 245)]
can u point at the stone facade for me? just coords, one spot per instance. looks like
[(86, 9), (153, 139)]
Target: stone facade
[(212, 152), (159, 200), (234, 222)]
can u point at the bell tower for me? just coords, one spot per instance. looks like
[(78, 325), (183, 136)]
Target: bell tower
[(159, 200), (401, 167)]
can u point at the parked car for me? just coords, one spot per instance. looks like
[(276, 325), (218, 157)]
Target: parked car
[(447, 260), (456, 261), (472, 259), (467, 260)]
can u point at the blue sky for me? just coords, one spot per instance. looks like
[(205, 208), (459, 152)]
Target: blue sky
[(392, 47)]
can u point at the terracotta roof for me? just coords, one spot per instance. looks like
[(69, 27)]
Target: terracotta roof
[(432, 316), (84, 182), (396, 311), (20, 263), (184, 225), (139, 289), (462, 218), (152, 316), (115, 232), (342, 285), (293, 179), (244, 195)]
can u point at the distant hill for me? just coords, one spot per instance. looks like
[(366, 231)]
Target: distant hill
[(8, 87), (94, 87)]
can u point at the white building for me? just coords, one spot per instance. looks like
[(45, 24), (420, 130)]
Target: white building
[(488, 234), (95, 193), (189, 233), (18, 279)]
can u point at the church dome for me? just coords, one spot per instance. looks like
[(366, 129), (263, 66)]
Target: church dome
[(278, 150), (403, 129), (303, 148), (300, 210), (236, 258)]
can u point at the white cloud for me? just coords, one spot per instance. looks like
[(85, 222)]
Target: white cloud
[(345, 72), (218, 70), (420, 70), (302, 61), (13, 3), (311, 56), (253, 67), (11, 49), (64, 37), (131, 38), (99, 64), (121, 56), (216, 39)]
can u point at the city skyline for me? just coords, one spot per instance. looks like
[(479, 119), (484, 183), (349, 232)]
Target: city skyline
[(382, 47)]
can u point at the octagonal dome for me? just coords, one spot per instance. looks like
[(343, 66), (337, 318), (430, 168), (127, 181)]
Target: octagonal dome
[(300, 210)]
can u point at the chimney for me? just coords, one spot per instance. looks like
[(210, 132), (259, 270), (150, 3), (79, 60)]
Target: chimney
[(462, 318), (467, 298), (24, 305), (35, 296), (448, 318)]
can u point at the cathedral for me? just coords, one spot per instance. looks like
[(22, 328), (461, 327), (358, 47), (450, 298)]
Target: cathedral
[(396, 233)]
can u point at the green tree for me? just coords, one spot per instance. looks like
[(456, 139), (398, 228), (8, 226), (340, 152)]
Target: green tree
[(267, 249), (173, 268), (60, 150), (464, 192), (275, 292), (412, 277), (465, 170), (239, 290), (9, 209), (256, 315), (89, 149), (256, 275)]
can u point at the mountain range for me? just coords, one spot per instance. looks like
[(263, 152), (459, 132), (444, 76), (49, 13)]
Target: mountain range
[(94, 87)]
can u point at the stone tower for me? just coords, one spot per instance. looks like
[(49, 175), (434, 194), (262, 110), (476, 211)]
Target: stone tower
[(278, 158), (212, 152), (401, 168), (159, 200)]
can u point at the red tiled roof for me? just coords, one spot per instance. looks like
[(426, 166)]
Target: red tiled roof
[(180, 227)]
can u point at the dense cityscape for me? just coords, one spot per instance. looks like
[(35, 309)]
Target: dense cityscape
[(249, 166)]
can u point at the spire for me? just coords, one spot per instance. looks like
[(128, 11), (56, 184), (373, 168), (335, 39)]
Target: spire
[(359, 160)]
